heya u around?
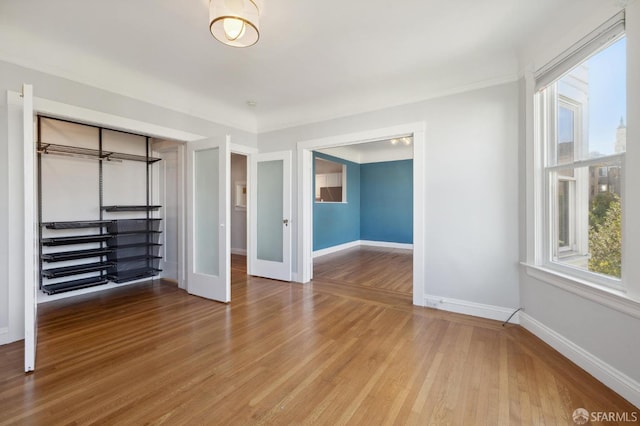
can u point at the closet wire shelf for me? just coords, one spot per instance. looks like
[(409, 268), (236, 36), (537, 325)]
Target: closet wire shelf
[(74, 255), (81, 239), (142, 208), (74, 285), (85, 268), (77, 224)]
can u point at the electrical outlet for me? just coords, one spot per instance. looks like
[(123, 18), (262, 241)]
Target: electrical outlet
[(432, 303)]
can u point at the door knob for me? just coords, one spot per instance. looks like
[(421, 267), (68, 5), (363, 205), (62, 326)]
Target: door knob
[(286, 222)]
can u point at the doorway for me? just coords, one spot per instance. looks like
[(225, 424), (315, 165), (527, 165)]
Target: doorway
[(238, 215), (363, 216), (306, 196)]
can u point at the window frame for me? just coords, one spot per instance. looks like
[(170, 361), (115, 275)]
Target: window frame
[(547, 103)]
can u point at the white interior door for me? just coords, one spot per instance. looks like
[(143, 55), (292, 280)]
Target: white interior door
[(270, 215), (30, 251), (208, 241)]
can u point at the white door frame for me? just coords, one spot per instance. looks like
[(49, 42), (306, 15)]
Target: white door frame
[(249, 153), (179, 149), (17, 215), (30, 234), (305, 196)]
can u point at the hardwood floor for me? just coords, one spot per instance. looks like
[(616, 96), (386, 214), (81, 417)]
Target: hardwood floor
[(280, 353), (359, 266)]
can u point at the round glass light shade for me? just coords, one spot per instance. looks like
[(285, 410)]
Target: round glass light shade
[(234, 22)]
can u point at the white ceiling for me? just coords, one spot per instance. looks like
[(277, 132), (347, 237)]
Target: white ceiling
[(315, 59), (372, 152)]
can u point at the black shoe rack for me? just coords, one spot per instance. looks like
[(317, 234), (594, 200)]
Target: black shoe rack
[(89, 253)]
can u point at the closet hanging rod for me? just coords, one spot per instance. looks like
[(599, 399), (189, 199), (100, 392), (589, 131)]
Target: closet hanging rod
[(83, 156), (74, 151)]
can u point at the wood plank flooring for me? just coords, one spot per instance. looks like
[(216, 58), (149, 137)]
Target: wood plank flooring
[(360, 266), (327, 353)]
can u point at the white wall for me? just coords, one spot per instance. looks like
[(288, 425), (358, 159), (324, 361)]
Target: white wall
[(11, 189), (238, 215), (4, 219), (471, 185), (607, 334)]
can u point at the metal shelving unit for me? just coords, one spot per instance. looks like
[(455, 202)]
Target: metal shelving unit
[(100, 253), (123, 250)]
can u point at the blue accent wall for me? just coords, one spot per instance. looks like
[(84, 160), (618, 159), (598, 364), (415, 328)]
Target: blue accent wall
[(386, 201), (379, 205), (337, 223)]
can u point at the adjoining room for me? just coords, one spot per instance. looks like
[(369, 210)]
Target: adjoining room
[(363, 214)]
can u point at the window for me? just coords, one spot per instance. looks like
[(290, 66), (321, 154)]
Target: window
[(330, 181), (581, 115)]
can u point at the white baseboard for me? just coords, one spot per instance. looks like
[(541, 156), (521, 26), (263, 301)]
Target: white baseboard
[(4, 336), (386, 244), (358, 243), (493, 312), (334, 249), (624, 385), (240, 251)]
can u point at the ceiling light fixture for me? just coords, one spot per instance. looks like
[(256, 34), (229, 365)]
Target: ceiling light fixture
[(235, 22), (404, 140)]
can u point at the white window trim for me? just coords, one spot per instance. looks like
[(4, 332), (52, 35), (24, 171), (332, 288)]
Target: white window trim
[(576, 198), (615, 299), (618, 299), (544, 101), (572, 247), (601, 36), (344, 184), (628, 301)]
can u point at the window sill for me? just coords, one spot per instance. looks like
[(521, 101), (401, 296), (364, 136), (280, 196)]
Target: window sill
[(611, 298)]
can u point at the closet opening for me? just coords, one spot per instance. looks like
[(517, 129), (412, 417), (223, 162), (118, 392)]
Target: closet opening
[(100, 221)]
